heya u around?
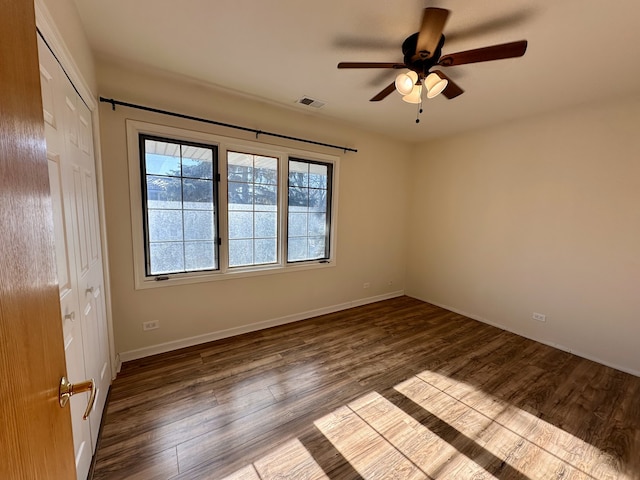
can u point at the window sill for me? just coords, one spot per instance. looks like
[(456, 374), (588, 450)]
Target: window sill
[(231, 274)]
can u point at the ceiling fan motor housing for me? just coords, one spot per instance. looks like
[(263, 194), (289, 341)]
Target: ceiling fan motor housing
[(414, 61)]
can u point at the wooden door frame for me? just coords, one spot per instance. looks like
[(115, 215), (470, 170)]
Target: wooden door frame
[(55, 41)]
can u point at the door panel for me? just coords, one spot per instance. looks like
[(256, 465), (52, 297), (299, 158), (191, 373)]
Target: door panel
[(79, 220), (35, 433), (59, 222)]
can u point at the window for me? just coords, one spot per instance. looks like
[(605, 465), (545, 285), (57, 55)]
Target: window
[(252, 209), (179, 206), (261, 209), (309, 213)]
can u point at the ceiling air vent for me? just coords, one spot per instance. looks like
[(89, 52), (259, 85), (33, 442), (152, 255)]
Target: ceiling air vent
[(311, 102)]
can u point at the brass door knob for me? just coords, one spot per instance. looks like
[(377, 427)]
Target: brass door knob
[(67, 390)]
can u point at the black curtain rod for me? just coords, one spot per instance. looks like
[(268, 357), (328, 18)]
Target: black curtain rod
[(222, 124)]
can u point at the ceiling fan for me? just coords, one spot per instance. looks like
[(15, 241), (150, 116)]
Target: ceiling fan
[(423, 50)]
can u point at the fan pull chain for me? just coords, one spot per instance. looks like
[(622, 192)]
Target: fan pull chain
[(420, 105)]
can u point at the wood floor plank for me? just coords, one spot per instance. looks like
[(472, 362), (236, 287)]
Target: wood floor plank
[(395, 389), (291, 461), (247, 473)]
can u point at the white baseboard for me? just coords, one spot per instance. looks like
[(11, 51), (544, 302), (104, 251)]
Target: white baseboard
[(252, 327), (628, 370)]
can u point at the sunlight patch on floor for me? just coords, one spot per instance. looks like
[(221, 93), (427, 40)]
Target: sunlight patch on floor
[(290, 461), (426, 450), (365, 449), (525, 442)]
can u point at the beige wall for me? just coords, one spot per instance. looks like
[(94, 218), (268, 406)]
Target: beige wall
[(371, 216), (542, 215)]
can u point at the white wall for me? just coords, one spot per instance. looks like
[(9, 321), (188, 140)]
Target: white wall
[(371, 217), (541, 215)]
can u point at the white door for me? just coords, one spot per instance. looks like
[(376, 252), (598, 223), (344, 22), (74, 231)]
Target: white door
[(68, 133), (89, 269)]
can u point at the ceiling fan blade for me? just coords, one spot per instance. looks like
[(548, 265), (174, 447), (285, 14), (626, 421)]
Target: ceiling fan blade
[(384, 93), (371, 65), (486, 54), (433, 20), (511, 20), (452, 90)]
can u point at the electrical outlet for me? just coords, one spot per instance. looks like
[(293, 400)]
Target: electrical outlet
[(539, 317), (152, 325), (366, 285)]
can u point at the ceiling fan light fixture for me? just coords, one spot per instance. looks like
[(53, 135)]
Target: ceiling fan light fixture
[(405, 82), (415, 96), (435, 85)]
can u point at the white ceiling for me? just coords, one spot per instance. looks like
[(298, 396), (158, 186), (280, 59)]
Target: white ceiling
[(280, 50)]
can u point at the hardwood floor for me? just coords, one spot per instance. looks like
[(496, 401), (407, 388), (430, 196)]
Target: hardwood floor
[(398, 389)]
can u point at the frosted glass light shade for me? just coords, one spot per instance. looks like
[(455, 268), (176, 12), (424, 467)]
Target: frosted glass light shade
[(415, 96), (435, 85), (405, 82)]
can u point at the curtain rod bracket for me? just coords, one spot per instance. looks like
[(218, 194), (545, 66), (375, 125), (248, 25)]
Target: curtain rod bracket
[(111, 101)]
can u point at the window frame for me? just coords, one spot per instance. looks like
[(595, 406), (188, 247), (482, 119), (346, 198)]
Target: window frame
[(329, 224), (145, 206), (135, 128), (279, 206)]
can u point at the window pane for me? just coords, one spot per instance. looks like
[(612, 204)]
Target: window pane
[(317, 200), (252, 209), (166, 258), (162, 158), (180, 205), (164, 192), (239, 167), (298, 174), (199, 256), (240, 196), (266, 224), (318, 176), (316, 247), (297, 224), (197, 194), (197, 162), (165, 225), (240, 252), (317, 224), (309, 195), (298, 199), (297, 249), (266, 251), (266, 170), (198, 225), (240, 224), (266, 197)]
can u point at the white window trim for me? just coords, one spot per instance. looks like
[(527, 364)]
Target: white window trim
[(135, 128)]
